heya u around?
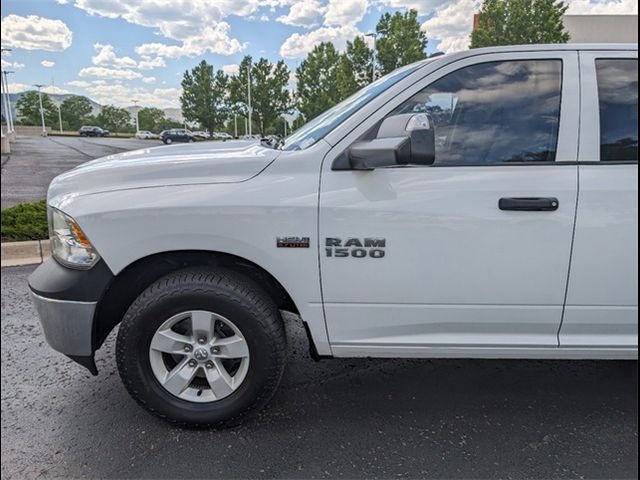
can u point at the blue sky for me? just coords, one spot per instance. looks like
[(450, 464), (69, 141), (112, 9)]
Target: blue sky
[(115, 51)]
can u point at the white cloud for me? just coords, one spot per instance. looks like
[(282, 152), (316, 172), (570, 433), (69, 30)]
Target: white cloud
[(79, 83), (423, 7), (196, 24), (345, 12), (149, 79), (211, 39), (35, 33), (292, 84), (606, 7), (122, 95), (451, 25), (24, 87), (19, 87), (106, 56), (149, 63), (15, 65), (305, 13), (111, 73), (52, 90), (47, 63), (231, 69), (298, 45)]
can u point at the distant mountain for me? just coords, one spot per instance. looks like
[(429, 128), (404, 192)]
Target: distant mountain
[(172, 113)]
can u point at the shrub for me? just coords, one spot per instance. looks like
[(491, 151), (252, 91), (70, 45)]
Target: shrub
[(25, 221)]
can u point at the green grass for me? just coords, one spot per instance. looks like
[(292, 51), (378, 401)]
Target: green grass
[(25, 221)]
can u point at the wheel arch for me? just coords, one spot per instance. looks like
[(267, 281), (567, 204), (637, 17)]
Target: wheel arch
[(128, 284)]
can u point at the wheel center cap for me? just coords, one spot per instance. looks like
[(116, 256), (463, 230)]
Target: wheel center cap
[(201, 354)]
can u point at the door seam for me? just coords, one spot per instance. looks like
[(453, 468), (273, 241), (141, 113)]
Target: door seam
[(573, 240)]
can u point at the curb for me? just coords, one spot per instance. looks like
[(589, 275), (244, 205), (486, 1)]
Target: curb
[(24, 253)]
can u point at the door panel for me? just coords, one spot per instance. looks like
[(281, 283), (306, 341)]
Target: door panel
[(602, 297), (457, 270)]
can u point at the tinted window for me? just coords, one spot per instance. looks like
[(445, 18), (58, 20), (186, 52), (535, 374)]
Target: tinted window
[(496, 112), (317, 128), (618, 97)]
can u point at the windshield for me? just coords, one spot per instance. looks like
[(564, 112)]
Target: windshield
[(317, 128)]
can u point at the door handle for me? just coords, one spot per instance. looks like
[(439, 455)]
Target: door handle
[(529, 204)]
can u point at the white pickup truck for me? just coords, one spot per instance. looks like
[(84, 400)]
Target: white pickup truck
[(482, 204)]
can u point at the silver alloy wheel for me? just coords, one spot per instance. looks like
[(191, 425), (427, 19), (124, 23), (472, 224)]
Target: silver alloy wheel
[(199, 356)]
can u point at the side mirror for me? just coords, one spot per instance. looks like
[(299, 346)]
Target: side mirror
[(405, 139)]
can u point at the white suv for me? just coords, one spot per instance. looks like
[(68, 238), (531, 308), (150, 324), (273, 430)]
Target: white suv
[(482, 204)]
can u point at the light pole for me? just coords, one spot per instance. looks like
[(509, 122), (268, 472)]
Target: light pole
[(44, 128), (5, 101), (235, 125), (374, 35), (60, 116), (59, 105), (249, 94), (285, 127), (6, 86), (135, 105)]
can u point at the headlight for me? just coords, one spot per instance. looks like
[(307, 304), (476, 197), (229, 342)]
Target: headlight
[(69, 245)]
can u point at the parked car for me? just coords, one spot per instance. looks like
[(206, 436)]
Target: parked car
[(222, 136), (145, 135), (438, 213), (177, 135), (92, 131), (201, 134), (250, 137)]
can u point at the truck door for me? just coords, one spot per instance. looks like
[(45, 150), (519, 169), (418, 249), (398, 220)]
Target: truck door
[(602, 298), (470, 255)]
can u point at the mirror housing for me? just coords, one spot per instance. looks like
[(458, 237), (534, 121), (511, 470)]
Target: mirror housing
[(380, 152), (405, 139)]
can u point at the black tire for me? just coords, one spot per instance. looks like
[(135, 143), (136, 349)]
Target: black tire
[(223, 292)]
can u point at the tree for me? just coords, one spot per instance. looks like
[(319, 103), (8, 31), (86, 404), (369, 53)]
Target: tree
[(354, 67), (400, 40), (270, 97), (75, 111), (151, 119), (317, 81), (204, 96), (114, 119), (518, 22), (28, 107)]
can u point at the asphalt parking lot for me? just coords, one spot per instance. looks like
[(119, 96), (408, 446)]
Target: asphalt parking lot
[(35, 161), (334, 419)]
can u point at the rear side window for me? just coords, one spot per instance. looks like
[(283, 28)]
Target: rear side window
[(494, 112), (618, 99)]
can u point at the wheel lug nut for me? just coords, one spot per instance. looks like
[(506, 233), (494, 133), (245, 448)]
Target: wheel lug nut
[(187, 348), (202, 340), (215, 350), (192, 363), (209, 365)]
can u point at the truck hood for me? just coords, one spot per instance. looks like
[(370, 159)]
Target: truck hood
[(195, 163)]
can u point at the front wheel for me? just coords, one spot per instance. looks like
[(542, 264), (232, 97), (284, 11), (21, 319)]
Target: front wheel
[(201, 347), (167, 141)]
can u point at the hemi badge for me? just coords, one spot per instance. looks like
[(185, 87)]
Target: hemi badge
[(292, 242)]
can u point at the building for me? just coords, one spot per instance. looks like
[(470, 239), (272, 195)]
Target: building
[(602, 28), (597, 28)]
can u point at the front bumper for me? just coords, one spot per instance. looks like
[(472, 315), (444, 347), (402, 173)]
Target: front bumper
[(66, 301)]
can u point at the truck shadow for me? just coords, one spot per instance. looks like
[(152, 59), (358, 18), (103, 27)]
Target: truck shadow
[(371, 418)]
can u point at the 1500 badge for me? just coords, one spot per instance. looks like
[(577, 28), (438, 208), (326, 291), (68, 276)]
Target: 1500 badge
[(355, 247)]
